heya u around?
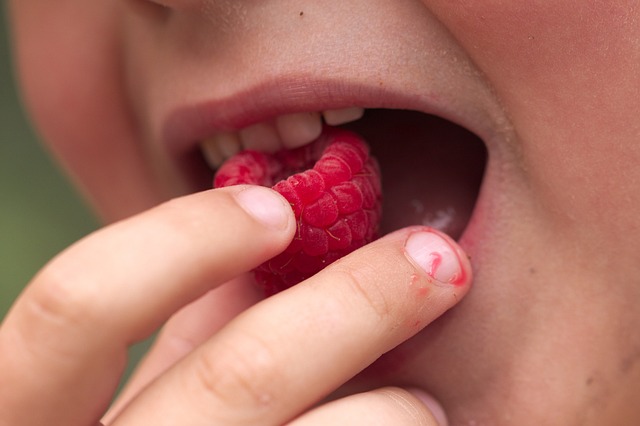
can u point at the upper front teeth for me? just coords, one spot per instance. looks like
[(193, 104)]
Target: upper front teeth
[(262, 136), (336, 117), (286, 131), (299, 129)]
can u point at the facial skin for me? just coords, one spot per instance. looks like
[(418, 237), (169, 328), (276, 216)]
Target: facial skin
[(548, 335)]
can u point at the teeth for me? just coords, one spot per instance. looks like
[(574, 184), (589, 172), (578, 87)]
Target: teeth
[(261, 136), (335, 117), (211, 152), (299, 129), (220, 147), (229, 144), (286, 131)]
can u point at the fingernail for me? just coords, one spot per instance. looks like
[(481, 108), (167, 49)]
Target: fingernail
[(265, 206), (434, 406), (436, 255)]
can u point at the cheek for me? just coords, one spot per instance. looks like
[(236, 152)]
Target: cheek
[(67, 58), (567, 73), (538, 39)]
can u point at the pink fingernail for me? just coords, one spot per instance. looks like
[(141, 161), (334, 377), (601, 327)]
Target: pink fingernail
[(265, 205), (436, 255)]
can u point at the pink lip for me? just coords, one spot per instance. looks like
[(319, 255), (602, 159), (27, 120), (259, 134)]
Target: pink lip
[(186, 126)]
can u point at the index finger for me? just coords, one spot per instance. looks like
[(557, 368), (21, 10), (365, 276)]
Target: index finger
[(64, 344)]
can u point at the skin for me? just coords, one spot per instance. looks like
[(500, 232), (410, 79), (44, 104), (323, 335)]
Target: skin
[(547, 336)]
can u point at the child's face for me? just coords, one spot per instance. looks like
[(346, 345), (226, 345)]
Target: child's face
[(123, 92)]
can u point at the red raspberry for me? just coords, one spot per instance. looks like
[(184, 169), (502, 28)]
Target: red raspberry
[(333, 186)]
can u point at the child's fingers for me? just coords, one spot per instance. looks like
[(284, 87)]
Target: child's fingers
[(278, 358), (64, 344), (186, 330)]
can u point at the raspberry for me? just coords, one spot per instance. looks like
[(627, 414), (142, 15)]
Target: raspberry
[(333, 186)]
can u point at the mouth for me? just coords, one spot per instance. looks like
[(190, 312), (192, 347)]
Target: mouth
[(432, 168)]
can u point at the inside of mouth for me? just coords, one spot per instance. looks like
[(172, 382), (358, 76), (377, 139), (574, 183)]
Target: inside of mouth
[(432, 169)]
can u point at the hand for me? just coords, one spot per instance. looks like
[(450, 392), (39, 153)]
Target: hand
[(63, 346)]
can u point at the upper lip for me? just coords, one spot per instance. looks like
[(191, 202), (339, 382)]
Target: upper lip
[(187, 125)]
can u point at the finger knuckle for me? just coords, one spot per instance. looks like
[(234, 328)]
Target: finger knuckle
[(364, 288), (58, 299), (243, 374)]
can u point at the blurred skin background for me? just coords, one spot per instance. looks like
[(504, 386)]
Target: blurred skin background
[(40, 212)]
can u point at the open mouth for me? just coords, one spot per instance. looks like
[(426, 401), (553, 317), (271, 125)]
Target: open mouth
[(432, 169)]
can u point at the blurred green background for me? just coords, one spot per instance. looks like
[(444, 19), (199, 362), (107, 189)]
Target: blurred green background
[(40, 212)]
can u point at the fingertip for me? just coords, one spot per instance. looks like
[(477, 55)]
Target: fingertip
[(266, 206), (438, 256), (434, 407)]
